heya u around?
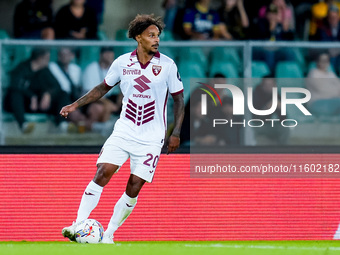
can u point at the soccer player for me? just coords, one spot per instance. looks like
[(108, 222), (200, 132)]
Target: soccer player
[(145, 77)]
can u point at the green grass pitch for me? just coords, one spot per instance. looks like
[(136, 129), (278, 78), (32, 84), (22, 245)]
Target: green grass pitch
[(164, 248)]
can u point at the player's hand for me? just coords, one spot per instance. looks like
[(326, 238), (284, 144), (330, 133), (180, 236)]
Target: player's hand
[(64, 112), (173, 143)]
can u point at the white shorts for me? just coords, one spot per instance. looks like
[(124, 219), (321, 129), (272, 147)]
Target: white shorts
[(143, 158)]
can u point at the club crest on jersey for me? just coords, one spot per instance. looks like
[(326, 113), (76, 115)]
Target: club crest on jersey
[(156, 69)]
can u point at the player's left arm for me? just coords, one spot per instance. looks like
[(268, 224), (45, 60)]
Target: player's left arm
[(174, 140)]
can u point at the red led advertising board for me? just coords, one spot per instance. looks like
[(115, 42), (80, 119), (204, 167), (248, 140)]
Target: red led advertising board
[(40, 194)]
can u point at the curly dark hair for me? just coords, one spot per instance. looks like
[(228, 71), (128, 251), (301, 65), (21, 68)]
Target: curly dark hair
[(142, 22)]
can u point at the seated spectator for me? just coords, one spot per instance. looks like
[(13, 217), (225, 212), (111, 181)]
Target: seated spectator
[(269, 28), (33, 20), (329, 31), (20, 97), (252, 9), (67, 73), (95, 72), (220, 78), (58, 85), (302, 12), (197, 128), (228, 135), (101, 111), (324, 86), (200, 22), (285, 14), (319, 12), (234, 20), (262, 100), (76, 21)]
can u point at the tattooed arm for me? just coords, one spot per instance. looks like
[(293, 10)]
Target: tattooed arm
[(173, 142), (93, 95)]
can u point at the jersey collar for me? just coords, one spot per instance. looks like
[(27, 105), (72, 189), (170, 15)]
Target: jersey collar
[(154, 60)]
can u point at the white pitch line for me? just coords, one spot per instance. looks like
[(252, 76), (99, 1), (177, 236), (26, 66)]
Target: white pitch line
[(268, 247)]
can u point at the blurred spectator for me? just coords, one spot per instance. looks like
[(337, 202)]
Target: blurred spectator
[(262, 100), (324, 86), (219, 78), (234, 20), (182, 7), (285, 14), (76, 21), (95, 72), (319, 12), (303, 15), (200, 22), (33, 19), (170, 7), (101, 111), (197, 128), (58, 85), (67, 73), (98, 7), (252, 8), (228, 134), (20, 97), (329, 31), (269, 28)]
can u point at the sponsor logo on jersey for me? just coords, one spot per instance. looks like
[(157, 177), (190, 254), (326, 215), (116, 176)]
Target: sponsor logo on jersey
[(156, 69), (130, 65), (141, 96), (131, 72), (141, 85), (140, 114)]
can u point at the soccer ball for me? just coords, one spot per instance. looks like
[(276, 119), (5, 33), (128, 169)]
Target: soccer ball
[(89, 231)]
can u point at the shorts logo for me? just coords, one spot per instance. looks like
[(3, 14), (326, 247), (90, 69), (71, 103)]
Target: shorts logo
[(156, 69), (140, 114), (141, 85)]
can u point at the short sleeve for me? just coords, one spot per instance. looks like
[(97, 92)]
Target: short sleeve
[(113, 76), (188, 18), (175, 84)]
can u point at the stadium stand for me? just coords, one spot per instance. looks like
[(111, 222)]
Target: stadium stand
[(122, 35), (226, 68), (194, 54)]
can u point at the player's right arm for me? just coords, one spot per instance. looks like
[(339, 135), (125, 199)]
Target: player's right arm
[(93, 95)]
